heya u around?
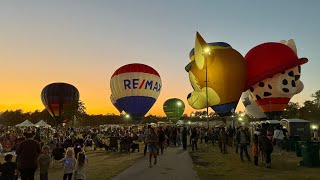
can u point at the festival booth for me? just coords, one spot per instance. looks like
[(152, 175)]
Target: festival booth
[(42, 124), (272, 124), (297, 127), (25, 123)]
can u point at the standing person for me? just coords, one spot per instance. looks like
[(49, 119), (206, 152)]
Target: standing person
[(27, 156), (255, 149), (179, 136), (278, 139), (145, 135), (223, 140), (44, 163), (266, 147), (230, 134), (69, 162), (184, 135), (194, 139), (9, 169), (243, 139), (162, 139), (152, 141), (79, 172)]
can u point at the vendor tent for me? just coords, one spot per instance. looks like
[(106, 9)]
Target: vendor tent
[(25, 123), (42, 124)]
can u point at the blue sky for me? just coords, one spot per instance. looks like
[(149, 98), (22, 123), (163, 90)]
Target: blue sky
[(84, 42)]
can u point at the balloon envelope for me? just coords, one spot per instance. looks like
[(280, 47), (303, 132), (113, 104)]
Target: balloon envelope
[(135, 88), (174, 109), (59, 98), (251, 107), (217, 73)]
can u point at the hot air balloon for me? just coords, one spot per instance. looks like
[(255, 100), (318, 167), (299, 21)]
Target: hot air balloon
[(251, 107), (225, 70), (59, 98), (274, 71), (135, 88), (174, 109)]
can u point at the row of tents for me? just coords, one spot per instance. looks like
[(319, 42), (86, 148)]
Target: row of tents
[(27, 123)]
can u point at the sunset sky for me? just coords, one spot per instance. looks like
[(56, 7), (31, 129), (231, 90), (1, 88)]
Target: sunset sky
[(84, 42)]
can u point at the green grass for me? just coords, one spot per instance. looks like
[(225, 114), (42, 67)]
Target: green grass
[(211, 164)]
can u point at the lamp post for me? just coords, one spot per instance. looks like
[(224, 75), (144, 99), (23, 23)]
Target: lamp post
[(207, 50)]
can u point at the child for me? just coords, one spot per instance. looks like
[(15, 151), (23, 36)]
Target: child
[(9, 169), (255, 149), (44, 162), (69, 164), (79, 171)]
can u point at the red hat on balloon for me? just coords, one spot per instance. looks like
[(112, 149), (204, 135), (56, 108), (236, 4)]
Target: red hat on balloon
[(269, 59)]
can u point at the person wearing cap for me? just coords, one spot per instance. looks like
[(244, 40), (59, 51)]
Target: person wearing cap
[(27, 156)]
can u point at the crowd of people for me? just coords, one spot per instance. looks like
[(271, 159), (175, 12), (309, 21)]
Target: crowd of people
[(39, 147)]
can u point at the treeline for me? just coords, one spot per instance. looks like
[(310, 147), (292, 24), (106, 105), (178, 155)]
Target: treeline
[(11, 118)]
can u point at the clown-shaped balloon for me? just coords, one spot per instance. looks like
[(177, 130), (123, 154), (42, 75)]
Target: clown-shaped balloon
[(251, 107), (274, 75), (226, 74)]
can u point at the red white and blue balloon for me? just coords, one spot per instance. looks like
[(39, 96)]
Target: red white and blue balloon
[(135, 88)]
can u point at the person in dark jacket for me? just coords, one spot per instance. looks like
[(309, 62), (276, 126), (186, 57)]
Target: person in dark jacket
[(27, 157), (8, 169), (194, 139), (184, 138), (266, 147)]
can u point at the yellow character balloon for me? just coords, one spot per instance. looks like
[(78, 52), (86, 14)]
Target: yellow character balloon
[(225, 69)]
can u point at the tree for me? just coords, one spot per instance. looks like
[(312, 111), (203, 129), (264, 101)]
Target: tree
[(292, 111)]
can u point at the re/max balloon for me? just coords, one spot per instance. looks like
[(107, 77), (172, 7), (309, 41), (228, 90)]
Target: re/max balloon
[(59, 98), (174, 109), (135, 88)]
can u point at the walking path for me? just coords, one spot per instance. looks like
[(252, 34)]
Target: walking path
[(174, 164)]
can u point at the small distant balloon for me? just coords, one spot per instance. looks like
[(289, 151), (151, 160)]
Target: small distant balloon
[(59, 98), (174, 109)]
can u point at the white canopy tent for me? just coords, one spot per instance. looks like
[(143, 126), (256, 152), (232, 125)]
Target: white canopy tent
[(42, 124), (25, 123)]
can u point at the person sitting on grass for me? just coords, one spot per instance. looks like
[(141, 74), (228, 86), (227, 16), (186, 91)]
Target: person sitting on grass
[(9, 169)]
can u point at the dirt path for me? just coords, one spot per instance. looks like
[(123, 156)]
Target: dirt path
[(174, 164)]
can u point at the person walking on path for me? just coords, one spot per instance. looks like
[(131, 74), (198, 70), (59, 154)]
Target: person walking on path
[(243, 140), (27, 156), (152, 148), (162, 139), (184, 135)]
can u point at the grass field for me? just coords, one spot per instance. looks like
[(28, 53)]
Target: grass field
[(102, 165), (211, 164)]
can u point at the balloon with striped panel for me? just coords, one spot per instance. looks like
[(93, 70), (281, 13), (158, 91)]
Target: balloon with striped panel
[(135, 88), (58, 98)]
